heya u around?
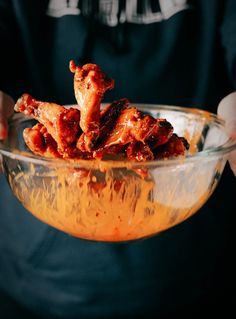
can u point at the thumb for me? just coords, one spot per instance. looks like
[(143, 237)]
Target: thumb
[(3, 128), (6, 110), (227, 110)]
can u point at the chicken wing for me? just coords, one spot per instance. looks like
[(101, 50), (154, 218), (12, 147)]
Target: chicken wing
[(61, 123), (176, 146), (139, 152), (109, 117), (134, 126), (90, 85), (40, 142)]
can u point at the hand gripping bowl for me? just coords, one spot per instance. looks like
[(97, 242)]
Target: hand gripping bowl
[(110, 200)]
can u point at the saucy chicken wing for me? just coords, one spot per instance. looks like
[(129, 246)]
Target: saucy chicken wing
[(40, 142), (90, 85), (131, 126), (61, 123), (109, 117), (176, 146), (139, 151)]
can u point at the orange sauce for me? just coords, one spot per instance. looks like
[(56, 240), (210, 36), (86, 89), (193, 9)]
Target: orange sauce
[(104, 206)]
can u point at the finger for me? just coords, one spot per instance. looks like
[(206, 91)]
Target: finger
[(6, 110), (3, 128), (232, 161), (227, 110)]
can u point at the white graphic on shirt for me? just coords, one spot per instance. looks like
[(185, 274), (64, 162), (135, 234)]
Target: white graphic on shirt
[(110, 13), (59, 8), (171, 7)]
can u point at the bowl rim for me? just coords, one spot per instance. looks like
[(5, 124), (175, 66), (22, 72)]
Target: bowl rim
[(223, 149)]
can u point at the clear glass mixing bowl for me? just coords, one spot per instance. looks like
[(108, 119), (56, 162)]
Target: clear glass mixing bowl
[(112, 200)]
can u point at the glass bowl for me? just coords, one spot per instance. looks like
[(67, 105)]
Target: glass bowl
[(113, 200)]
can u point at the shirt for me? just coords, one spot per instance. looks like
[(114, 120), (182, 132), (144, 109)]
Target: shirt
[(166, 52)]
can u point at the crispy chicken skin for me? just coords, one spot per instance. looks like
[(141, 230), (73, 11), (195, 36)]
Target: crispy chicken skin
[(61, 123), (90, 85)]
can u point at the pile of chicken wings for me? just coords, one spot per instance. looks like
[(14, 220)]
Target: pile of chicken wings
[(90, 132)]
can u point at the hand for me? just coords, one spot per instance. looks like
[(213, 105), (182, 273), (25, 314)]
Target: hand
[(227, 110), (6, 110)]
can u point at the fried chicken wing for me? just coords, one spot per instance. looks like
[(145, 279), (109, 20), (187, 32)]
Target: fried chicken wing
[(139, 151), (61, 123), (109, 117), (40, 142), (176, 146), (133, 126), (90, 85)]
